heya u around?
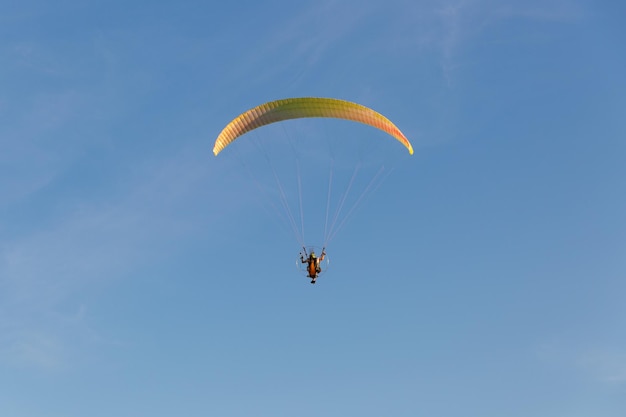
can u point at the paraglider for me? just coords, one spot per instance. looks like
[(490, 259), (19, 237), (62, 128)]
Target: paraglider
[(314, 267), (309, 107)]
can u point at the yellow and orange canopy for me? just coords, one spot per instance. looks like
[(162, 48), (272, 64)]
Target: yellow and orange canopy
[(295, 108)]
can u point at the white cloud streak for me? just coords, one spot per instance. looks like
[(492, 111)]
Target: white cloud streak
[(605, 364), (45, 272), (449, 26)]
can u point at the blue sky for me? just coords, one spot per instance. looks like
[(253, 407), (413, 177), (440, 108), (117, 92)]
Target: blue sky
[(140, 275)]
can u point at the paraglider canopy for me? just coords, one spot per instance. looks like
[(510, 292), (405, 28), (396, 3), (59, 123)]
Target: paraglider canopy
[(294, 108)]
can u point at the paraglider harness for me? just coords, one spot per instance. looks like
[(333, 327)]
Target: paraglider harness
[(313, 267)]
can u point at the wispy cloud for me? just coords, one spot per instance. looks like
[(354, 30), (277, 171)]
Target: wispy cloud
[(292, 49), (94, 200), (451, 26), (31, 348), (46, 273), (605, 364), (286, 53), (46, 115)]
